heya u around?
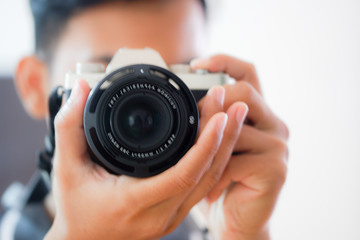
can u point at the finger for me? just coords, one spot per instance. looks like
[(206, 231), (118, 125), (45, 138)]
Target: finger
[(237, 69), (213, 103), (252, 140), (259, 173), (70, 138), (247, 79), (237, 114), (182, 177), (259, 114), (233, 173)]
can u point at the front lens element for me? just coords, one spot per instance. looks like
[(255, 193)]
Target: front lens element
[(138, 121), (142, 121)]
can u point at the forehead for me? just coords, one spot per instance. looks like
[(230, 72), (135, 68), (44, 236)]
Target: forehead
[(174, 28)]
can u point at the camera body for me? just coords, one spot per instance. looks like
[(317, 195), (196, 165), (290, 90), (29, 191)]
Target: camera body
[(141, 116)]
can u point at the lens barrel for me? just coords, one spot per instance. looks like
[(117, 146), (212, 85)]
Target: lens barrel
[(140, 120)]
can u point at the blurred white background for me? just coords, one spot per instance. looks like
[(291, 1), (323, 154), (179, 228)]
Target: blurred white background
[(307, 55)]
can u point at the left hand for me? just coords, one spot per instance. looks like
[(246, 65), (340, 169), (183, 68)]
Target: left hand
[(241, 203)]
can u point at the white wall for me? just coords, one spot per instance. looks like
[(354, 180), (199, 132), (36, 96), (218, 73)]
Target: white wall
[(307, 55), (16, 34)]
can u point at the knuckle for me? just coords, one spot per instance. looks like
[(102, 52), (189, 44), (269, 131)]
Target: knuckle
[(186, 181), (218, 61), (282, 129), (219, 58), (245, 85), (61, 121), (246, 91), (286, 130), (251, 68), (276, 172), (280, 174), (280, 145), (276, 175), (279, 162), (284, 151), (214, 177)]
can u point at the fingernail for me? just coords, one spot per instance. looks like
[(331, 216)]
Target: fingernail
[(221, 124), (199, 62), (241, 113), (219, 93)]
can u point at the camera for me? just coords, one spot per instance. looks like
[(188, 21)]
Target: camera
[(141, 115)]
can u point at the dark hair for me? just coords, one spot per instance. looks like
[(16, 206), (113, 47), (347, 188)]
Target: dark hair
[(51, 16)]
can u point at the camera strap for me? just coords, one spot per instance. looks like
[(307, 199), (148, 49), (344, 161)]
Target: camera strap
[(44, 157)]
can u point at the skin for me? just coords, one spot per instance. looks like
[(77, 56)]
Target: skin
[(245, 164)]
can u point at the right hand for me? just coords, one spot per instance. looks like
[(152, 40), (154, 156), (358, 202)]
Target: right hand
[(93, 204)]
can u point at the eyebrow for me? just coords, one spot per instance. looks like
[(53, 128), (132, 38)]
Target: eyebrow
[(103, 59), (107, 58)]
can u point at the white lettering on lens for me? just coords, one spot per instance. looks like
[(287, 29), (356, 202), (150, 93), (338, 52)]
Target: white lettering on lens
[(112, 139), (168, 97), (192, 120)]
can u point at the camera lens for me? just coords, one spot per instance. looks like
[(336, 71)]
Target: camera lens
[(142, 121)]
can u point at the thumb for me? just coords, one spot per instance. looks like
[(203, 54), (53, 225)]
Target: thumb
[(71, 146)]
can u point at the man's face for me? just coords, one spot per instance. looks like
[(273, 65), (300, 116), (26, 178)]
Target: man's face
[(175, 28)]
